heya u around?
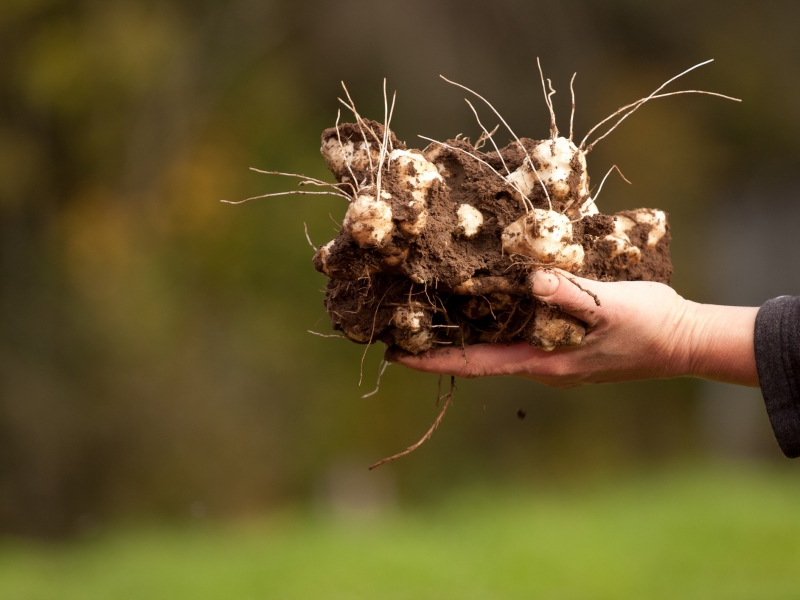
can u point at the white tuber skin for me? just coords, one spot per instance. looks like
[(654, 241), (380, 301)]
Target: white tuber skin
[(419, 342), (418, 176), (470, 221), (555, 158), (416, 172), (434, 152), (546, 236), (408, 318), (621, 240), (369, 221), (415, 321), (588, 209), (656, 219), (348, 156), (324, 254), (552, 330)]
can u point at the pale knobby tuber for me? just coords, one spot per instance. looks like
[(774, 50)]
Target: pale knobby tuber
[(545, 236)]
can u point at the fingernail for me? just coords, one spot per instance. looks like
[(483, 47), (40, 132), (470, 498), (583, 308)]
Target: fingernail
[(544, 284)]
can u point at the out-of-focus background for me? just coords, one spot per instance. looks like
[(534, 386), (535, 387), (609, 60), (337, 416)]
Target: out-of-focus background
[(168, 428)]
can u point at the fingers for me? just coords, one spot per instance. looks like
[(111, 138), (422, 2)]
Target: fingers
[(479, 360), (581, 298)]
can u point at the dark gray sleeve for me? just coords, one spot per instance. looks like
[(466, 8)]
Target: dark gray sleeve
[(777, 345)]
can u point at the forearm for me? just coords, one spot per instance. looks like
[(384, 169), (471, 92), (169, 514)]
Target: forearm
[(719, 343)]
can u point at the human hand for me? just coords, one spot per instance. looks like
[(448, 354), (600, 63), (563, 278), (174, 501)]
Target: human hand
[(640, 330)]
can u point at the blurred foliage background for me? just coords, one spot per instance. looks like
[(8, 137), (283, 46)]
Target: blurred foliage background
[(154, 360)]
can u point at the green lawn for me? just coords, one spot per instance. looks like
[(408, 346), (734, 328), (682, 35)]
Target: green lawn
[(699, 534)]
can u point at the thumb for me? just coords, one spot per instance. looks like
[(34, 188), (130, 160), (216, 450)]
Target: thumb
[(575, 296)]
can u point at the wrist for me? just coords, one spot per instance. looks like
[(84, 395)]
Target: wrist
[(719, 343)]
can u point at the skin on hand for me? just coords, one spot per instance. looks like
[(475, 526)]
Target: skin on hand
[(641, 330)]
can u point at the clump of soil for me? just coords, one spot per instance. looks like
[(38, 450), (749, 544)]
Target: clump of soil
[(438, 250)]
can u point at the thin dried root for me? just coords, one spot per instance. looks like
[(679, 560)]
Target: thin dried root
[(572, 114), (594, 198), (387, 119), (548, 101), (326, 335), (308, 237), (527, 159), (447, 399), (583, 289), (384, 364), (487, 136), (635, 106), (300, 192), (483, 137), (306, 179)]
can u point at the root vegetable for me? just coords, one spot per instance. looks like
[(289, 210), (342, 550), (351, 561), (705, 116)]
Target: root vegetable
[(657, 221), (393, 256), (410, 318), (556, 163), (369, 220), (552, 328), (620, 241), (415, 173), (321, 258), (352, 156), (417, 342), (545, 236), (352, 150), (412, 329)]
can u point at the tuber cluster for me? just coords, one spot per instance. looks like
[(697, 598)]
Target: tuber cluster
[(437, 245)]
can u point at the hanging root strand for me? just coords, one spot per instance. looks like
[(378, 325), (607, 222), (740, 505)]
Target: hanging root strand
[(447, 399), (384, 364), (308, 237)]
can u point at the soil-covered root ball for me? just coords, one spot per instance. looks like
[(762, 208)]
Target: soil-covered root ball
[(437, 245)]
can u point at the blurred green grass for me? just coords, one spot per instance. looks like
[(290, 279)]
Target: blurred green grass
[(710, 532)]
